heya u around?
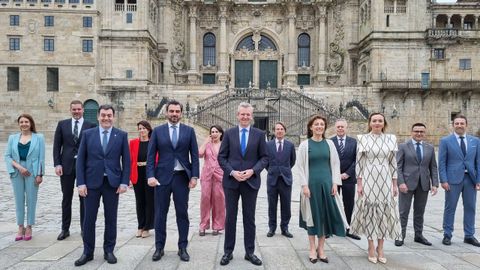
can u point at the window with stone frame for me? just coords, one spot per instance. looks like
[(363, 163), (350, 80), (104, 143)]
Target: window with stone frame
[(14, 43), (14, 20), (49, 44), (209, 49), (13, 79), (208, 78), (303, 50), (52, 79), (49, 21), (465, 64), (439, 54)]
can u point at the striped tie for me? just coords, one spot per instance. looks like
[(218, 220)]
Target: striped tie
[(341, 146)]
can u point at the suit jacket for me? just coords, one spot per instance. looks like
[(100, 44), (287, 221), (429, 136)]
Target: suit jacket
[(411, 171), (280, 165), (186, 153), (92, 163), (348, 160), (452, 163), (230, 157), (35, 162), (64, 147)]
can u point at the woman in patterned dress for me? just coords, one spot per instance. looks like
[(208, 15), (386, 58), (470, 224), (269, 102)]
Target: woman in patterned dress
[(319, 174), (376, 213)]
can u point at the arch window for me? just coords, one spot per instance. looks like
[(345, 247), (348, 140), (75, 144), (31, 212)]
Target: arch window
[(209, 48), (246, 43), (266, 43), (303, 50)]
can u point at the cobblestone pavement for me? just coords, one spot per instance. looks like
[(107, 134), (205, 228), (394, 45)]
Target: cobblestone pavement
[(278, 252)]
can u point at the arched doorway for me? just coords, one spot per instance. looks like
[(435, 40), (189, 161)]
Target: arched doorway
[(90, 109), (256, 62)]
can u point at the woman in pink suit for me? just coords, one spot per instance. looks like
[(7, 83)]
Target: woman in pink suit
[(213, 198)]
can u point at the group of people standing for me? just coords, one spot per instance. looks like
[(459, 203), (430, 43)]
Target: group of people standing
[(348, 186)]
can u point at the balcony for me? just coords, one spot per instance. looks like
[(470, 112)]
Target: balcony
[(126, 7), (434, 85), (449, 35)]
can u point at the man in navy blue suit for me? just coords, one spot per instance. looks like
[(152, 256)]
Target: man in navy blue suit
[(347, 151), (281, 158), (175, 172), (65, 147), (103, 170), (459, 171), (242, 156)]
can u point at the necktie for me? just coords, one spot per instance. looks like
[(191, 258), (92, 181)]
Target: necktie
[(341, 147), (105, 141), (280, 148), (462, 145), (419, 152), (174, 136), (75, 132), (243, 141)]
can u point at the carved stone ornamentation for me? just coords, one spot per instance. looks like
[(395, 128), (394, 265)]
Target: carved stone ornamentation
[(336, 52), (208, 19), (178, 62)]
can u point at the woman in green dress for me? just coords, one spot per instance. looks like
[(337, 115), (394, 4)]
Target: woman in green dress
[(319, 171)]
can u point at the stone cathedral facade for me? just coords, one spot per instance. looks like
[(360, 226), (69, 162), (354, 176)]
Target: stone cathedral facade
[(414, 60)]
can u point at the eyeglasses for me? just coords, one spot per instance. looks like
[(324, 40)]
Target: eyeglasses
[(418, 131)]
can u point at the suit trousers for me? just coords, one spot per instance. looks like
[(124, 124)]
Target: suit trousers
[(348, 196), (110, 209), (469, 198), (419, 197), (25, 188), (249, 202), (144, 196), (67, 182), (179, 188), (284, 191)]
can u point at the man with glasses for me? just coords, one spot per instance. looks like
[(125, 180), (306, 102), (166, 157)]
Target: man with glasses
[(417, 174)]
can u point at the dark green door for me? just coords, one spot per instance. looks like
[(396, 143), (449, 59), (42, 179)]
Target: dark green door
[(243, 73), (268, 73), (90, 109)]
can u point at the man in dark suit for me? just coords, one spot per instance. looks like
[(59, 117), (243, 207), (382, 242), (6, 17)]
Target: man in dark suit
[(176, 172), (417, 174), (65, 147), (347, 151), (459, 171), (242, 156), (103, 170), (281, 158)]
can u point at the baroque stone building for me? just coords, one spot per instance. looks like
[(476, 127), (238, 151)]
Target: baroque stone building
[(414, 60)]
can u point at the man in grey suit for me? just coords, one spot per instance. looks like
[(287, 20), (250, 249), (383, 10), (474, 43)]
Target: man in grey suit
[(417, 174)]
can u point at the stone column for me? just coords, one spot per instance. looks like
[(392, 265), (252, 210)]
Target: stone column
[(192, 73), (291, 75), (322, 44), (448, 20), (462, 26), (222, 74), (476, 23)]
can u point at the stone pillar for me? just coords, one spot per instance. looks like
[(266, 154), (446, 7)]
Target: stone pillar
[(322, 44), (475, 25), (192, 73), (291, 75), (222, 74), (448, 20), (462, 26)]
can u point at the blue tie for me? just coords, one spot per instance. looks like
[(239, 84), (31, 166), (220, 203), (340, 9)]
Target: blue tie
[(419, 152), (105, 141), (174, 136), (243, 141), (462, 145)]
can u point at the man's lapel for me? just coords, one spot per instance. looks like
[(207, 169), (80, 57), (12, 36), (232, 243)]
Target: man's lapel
[(111, 140), (413, 151)]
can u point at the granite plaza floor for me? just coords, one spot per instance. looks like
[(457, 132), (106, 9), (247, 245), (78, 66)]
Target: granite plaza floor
[(278, 252)]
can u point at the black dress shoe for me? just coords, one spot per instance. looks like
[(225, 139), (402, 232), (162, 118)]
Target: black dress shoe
[(353, 236), (325, 260), (157, 255), (226, 258), (63, 235), (446, 241), (183, 254), (420, 239), (398, 243), (110, 258), (472, 241), (83, 260), (286, 233), (270, 233), (253, 259)]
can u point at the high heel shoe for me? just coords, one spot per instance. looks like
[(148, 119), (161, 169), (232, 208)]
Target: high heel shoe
[(28, 236), (381, 259), (372, 259)]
